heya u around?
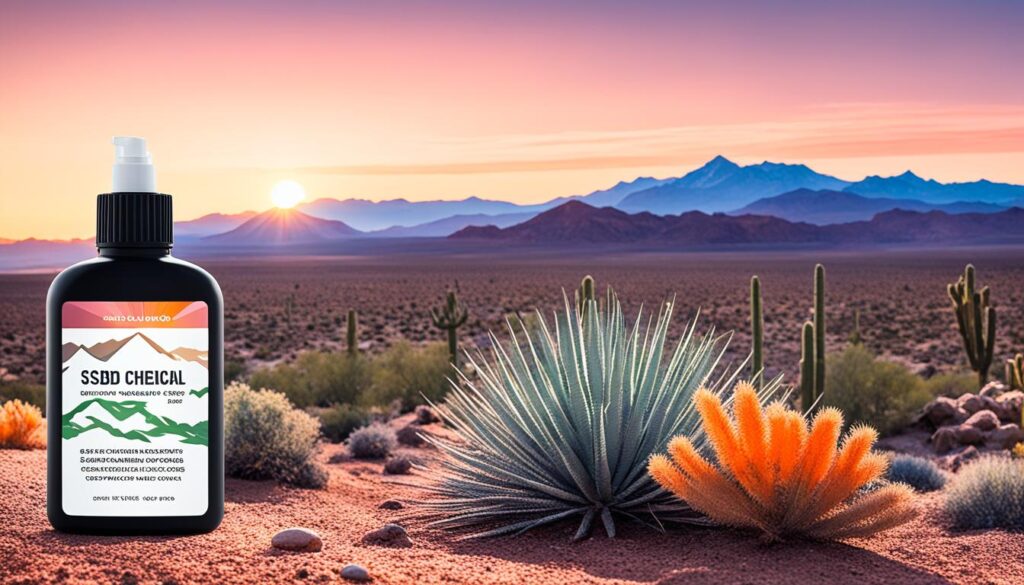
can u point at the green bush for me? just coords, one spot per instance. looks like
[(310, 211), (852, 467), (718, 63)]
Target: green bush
[(34, 394), (374, 441), (407, 374), (337, 422), (951, 385), (317, 378), (265, 437), (882, 394), (988, 493)]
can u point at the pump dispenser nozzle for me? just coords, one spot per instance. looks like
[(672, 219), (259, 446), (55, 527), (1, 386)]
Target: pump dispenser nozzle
[(133, 166)]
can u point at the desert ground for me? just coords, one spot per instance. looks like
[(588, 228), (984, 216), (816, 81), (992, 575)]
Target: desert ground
[(277, 307), (240, 551)]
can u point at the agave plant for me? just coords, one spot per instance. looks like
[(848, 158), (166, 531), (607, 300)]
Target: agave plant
[(560, 423), (779, 476)]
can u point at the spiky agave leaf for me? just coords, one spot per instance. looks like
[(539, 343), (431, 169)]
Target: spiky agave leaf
[(560, 423)]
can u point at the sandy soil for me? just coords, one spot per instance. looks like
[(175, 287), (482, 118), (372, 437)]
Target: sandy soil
[(239, 551), (901, 297)]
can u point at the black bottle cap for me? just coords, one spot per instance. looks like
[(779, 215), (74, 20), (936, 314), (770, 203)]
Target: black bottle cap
[(134, 220)]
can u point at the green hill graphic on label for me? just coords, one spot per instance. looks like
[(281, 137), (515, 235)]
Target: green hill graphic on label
[(196, 434)]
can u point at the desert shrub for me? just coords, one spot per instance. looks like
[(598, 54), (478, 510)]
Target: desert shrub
[(266, 437), (337, 422), (867, 390), (775, 474), (234, 370), (951, 385), (374, 441), (918, 472), (409, 374), (425, 415), (21, 426), (988, 493), (27, 392), (539, 441), (317, 378)]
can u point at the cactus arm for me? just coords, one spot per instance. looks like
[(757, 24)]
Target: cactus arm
[(990, 340)]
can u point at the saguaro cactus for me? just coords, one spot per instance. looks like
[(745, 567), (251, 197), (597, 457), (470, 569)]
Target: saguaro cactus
[(351, 333), (756, 333), (812, 360), (976, 321), (451, 316)]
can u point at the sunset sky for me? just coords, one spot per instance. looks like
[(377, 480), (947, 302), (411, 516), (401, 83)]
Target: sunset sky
[(514, 100)]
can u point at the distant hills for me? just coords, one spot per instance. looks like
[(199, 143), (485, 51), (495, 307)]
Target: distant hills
[(281, 227), (578, 223), (910, 186), (826, 207), (722, 185), (793, 193)]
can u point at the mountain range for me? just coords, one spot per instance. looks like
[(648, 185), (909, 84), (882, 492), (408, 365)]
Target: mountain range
[(579, 223), (791, 192)]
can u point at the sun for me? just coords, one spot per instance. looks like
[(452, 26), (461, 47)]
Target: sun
[(287, 194)]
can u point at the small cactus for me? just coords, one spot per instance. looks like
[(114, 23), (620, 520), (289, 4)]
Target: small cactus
[(919, 473), (1015, 372), (855, 337), (812, 361), (451, 316), (352, 333), (756, 334), (976, 321), (584, 294)]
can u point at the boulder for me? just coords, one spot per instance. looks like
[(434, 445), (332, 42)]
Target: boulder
[(1010, 405), (983, 420), (391, 505), (972, 403), (940, 410), (944, 439), (993, 389), (966, 434), (297, 540), (1005, 436)]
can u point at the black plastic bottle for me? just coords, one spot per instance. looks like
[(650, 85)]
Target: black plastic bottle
[(134, 364)]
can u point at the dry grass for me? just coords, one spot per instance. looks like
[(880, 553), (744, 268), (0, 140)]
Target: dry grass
[(21, 426)]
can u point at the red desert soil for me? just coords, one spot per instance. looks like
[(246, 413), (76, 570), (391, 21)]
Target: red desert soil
[(239, 551)]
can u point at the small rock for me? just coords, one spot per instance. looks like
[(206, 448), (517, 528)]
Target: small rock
[(1005, 437), (297, 540), (388, 535), (398, 466), (940, 410), (391, 505), (963, 457), (302, 574), (972, 403), (992, 389), (944, 439), (410, 435), (355, 573), (983, 420)]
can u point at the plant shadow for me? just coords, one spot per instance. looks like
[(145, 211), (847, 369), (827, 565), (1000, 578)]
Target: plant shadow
[(697, 555)]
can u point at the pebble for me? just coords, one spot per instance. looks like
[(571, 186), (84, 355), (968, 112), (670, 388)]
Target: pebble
[(297, 540), (391, 505), (388, 535), (355, 573)]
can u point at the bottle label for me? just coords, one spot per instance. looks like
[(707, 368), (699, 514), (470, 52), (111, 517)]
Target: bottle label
[(135, 408)]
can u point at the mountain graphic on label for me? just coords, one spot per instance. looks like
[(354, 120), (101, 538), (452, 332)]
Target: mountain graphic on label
[(105, 351), (129, 419)]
